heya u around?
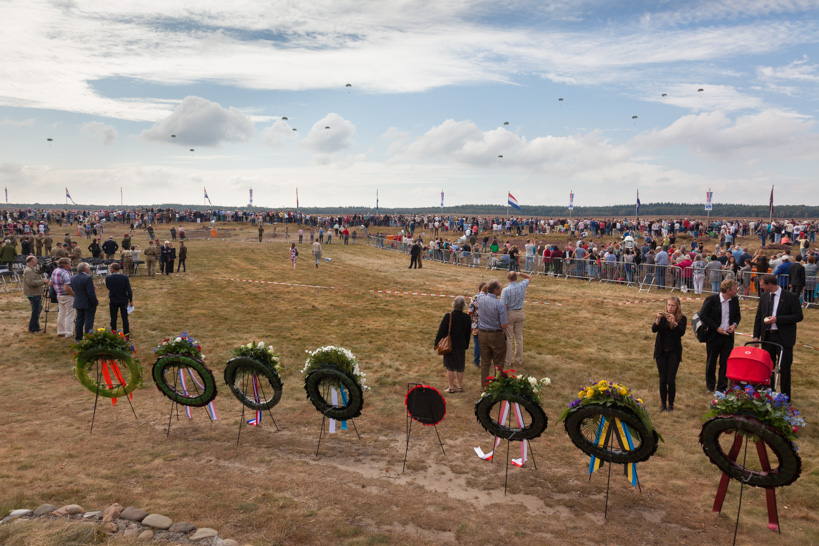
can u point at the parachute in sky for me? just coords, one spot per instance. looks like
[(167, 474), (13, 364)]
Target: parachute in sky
[(506, 123), (327, 127), (560, 99), (348, 85), (284, 118), (192, 149), (173, 136), (665, 94), (633, 117), (700, 90)]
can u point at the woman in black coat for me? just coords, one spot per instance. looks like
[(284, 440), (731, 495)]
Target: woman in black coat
[(669, 325), (461, 331)]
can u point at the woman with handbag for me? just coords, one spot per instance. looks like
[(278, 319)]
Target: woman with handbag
[(452, 341)]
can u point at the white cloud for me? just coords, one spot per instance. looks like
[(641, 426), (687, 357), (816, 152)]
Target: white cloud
[(767, 134), (330, 134), (278, 133), (463, 142), (712, 97), (797, 71), (18, 123), (200, 122), (106, 133)]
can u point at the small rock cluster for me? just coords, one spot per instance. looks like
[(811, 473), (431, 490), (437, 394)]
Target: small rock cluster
[(129, 522)]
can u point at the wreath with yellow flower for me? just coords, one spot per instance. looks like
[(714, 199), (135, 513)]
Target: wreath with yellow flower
[(99, 349), (606, 421)]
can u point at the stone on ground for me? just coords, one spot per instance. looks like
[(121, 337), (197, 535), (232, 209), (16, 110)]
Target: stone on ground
[(203, 533), (133, 514), (157, 521)]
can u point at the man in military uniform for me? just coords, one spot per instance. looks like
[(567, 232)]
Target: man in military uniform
[(127, 262), (67, 239), (38, 244), (126, 242), (261, 232), (60, 252), (150, 258), (47, 243), (75, 253)]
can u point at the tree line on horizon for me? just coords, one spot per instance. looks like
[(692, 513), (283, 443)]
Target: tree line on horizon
[(615, 211)]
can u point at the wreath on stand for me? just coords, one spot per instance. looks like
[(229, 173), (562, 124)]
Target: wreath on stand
[(329, 368), (761, 416), (110, 347), (251, 364), (523, 390), (175, 357), (596, 409)]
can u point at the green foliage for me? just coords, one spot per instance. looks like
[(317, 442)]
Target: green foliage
[(184, 344), (259, 351), (607, 393), (103, 338), (515, 385), (769, 407)]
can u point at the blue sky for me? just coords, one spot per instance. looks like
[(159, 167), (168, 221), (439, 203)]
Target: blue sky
[(433, 84)]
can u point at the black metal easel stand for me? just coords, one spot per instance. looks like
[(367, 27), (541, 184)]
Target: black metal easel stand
[(321, 430), (242, 420), (508, 441), (97, 396), (175, 404), (408, 428)]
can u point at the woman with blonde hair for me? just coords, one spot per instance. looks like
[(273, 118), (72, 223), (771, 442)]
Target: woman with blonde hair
[(669, 325)]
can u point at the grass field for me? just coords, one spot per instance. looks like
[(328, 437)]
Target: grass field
[(272, 489)]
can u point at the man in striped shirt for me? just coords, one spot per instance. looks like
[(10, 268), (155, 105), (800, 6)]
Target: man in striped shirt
[(61, 282), (513, 296)]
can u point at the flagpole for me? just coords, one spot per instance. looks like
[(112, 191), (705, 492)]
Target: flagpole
[(770, 207), (708, 216), (121, 200)]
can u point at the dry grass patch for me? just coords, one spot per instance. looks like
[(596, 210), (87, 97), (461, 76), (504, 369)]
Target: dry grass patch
[(273, 490)]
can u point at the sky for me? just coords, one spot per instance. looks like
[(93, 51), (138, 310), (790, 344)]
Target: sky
[(348, 101)]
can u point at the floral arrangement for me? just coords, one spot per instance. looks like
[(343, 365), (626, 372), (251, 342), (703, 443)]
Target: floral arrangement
[(770, 407), (339, 357), (259, 351), (608, 393), (503, 382), (183, 344), (103, 338)]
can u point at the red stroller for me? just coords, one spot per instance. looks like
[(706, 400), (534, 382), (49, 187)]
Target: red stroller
[(750, 364)]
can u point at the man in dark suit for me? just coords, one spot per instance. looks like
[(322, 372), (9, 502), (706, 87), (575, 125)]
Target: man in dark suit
[(415, 256), (120, 297), (721, 315), (85, 300), (776, 318), (796, 276)]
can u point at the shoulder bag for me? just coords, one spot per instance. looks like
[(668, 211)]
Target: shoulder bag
[(444, 345)]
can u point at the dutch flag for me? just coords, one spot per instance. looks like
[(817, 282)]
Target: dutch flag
[(513, 202)]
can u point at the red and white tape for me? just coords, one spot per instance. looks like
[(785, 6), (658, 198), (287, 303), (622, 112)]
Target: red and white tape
[(280, 283)]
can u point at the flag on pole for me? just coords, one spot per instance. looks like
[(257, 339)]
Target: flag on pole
[(206, 195), (513, 202), (709, 195), (68, 196), (7, 195), (297, 199), (251, 197), (771, 205), (376, 201), (442, 198), (638, 203), (571, 200)]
